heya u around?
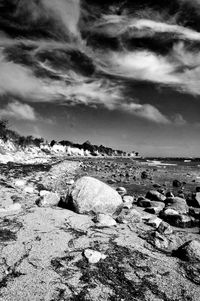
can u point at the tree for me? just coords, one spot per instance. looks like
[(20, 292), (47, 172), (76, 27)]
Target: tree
[(38, 141), (53, 142), (3, 129)]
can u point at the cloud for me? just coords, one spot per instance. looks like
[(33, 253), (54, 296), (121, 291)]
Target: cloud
[(195, 3), (179, 120), (92, 93), (141, 65), (18, 111), (66, 10), (97, 93), (130, 27), (179, 69), (18, 80), (189, 63), (105, 94), (146, 111), (63, 14), (147, 27)]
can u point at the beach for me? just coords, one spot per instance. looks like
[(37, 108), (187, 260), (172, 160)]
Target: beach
[(50, 252)]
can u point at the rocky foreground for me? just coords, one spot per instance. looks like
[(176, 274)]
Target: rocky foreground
[(68, 236)]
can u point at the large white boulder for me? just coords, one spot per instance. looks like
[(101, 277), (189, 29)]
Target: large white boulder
[(91, 195)]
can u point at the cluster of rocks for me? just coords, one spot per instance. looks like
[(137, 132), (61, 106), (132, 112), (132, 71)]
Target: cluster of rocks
[(114, 172), (109, 207), (175, 210)]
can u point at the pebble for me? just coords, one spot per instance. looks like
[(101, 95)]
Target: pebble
[(121, 190), (20, 183), (29, 189), (70, 182), (127, 199), (44, 192), (154, 222), (164, 228), (48, 200), (176, 183), (11, 208), (93, 256), (104, 220)]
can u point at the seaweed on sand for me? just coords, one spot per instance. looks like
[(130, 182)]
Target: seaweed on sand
[(114, 273), (8, 229), (16, 170)]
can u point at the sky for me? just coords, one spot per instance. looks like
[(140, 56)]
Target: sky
[(125, 74)]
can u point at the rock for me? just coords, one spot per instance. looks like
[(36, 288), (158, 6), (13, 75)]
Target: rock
[(16, 206), (155, 185), (111, 181), (70, 182), (170, 216), (167, 244), (48, 200), (20, 183), (121, 190), (143, 202), (185, 221), (154, 222), (129, 216), (127, 205), (127, 199), (178, 204), (91, 195), (144, 175), (156, 207), (154, 195), (16, 199), (29, 189), (194, 212), (177, 219), (170, 212), (93, 256), (161, 190), (169, 194), (176, 183), (44, 192), (195, 202), (190, 251), (164, 228), (104, 220)]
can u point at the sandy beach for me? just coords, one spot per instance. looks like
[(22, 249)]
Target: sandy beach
[(43, 247)]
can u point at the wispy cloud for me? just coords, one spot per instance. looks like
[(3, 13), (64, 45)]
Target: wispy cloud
[(18, 80), (117, 25), (19, 111), (179, 69), (179, 120), (146, 111), (189, 63), (141, 65), (62, 14), (147, 27), (66, 10)]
